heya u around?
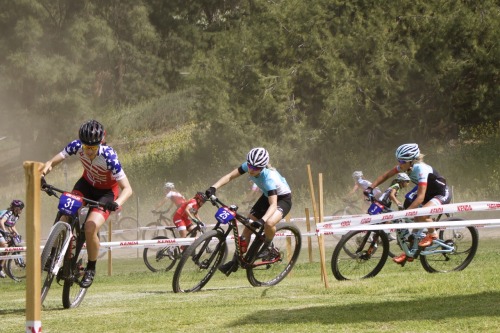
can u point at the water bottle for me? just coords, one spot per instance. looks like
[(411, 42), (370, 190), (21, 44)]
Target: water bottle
[(83, 215), (243, 244)]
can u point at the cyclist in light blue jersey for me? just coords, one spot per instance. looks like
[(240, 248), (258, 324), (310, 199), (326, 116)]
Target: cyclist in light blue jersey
[(272, 206), (430, 190)]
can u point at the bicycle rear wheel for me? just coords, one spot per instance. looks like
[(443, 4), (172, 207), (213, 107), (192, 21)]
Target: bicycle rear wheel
[(357, 256), (51, 251), (129, 226), (73, 294), (465, 242), (153, 232), (16, 268), (288, 242), (199, 262), (161, 258)]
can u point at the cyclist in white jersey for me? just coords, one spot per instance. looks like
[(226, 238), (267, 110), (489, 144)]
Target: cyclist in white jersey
[(176, 198), (272, 206), (430, 189), (361, 183)]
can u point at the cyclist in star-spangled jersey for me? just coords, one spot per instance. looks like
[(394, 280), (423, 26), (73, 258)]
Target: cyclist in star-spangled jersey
[(102, 180)]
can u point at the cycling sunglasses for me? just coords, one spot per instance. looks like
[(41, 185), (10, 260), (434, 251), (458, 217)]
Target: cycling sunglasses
[(251, 167)]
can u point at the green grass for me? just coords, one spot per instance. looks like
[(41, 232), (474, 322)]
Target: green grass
[(397, 300)]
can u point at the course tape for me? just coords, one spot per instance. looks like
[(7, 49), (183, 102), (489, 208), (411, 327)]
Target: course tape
[(350, 222), (342, 226)]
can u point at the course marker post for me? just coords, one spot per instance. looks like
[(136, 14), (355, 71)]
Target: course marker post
[(309, 240), (33, 262)]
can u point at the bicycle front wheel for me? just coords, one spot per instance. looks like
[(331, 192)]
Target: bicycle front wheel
[(16, 268), (199, 262), (51, 251), (359, 255), (464, 241), (73, 294), (287, 242), (161, 259)]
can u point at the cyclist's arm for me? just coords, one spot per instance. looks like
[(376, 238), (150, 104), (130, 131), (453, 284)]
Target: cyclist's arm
[(161, 203), (392, 196), (189, 212), (2, 225), (384, 177), (47, 167), (170, 207), (273, 206), (227, 178), (126, 191), (13, 230)]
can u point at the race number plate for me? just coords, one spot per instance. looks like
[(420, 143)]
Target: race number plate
[(224, 215), (69, 204)]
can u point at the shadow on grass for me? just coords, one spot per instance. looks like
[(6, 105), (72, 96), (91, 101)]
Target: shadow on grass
[(439, 308)]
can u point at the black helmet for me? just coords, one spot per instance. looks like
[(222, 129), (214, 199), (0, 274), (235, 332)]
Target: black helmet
[(91, 133)]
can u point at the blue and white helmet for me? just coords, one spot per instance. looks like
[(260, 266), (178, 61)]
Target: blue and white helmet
[(407, 152), (402, 177), (258, 157)]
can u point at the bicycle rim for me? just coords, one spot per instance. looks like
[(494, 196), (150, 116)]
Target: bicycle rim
[(16, 268), (289, 249), (160, 259), (73, 294), (199, 262), (465, 242), (51, 251), (355, 257), (152, 234), (129, 226)]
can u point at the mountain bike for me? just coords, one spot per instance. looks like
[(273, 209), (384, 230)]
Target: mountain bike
[(200, 260), (15, 268), (160, 227), (163, 259), (126, 223), (362, 254), (62, 255)]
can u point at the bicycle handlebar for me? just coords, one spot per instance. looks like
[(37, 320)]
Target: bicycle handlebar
[(50, 190), (243, 219)]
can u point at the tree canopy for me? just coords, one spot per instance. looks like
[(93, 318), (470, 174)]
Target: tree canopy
[(304, 78)]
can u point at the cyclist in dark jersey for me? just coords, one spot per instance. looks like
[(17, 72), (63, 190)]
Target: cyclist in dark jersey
[(430, 189), (272, 206), (8, 220), (103, 180)]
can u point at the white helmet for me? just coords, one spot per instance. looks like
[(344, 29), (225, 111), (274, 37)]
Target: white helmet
[(169, 186), (402, 177), (258, 157), (407, 152), (357, 174)]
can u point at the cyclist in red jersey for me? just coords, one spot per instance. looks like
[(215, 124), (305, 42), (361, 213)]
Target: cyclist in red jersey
[(188, 211), (103, 180)]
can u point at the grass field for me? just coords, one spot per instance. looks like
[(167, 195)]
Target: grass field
[(397, 300)]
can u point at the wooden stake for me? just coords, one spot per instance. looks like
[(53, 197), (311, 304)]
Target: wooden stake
[(33, 262), (309, 240)]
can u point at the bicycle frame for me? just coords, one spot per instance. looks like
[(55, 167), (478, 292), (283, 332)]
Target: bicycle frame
[(244, 260)]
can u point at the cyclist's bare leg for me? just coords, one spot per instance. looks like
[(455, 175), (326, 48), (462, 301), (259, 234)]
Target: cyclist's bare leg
[(92, 226)]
